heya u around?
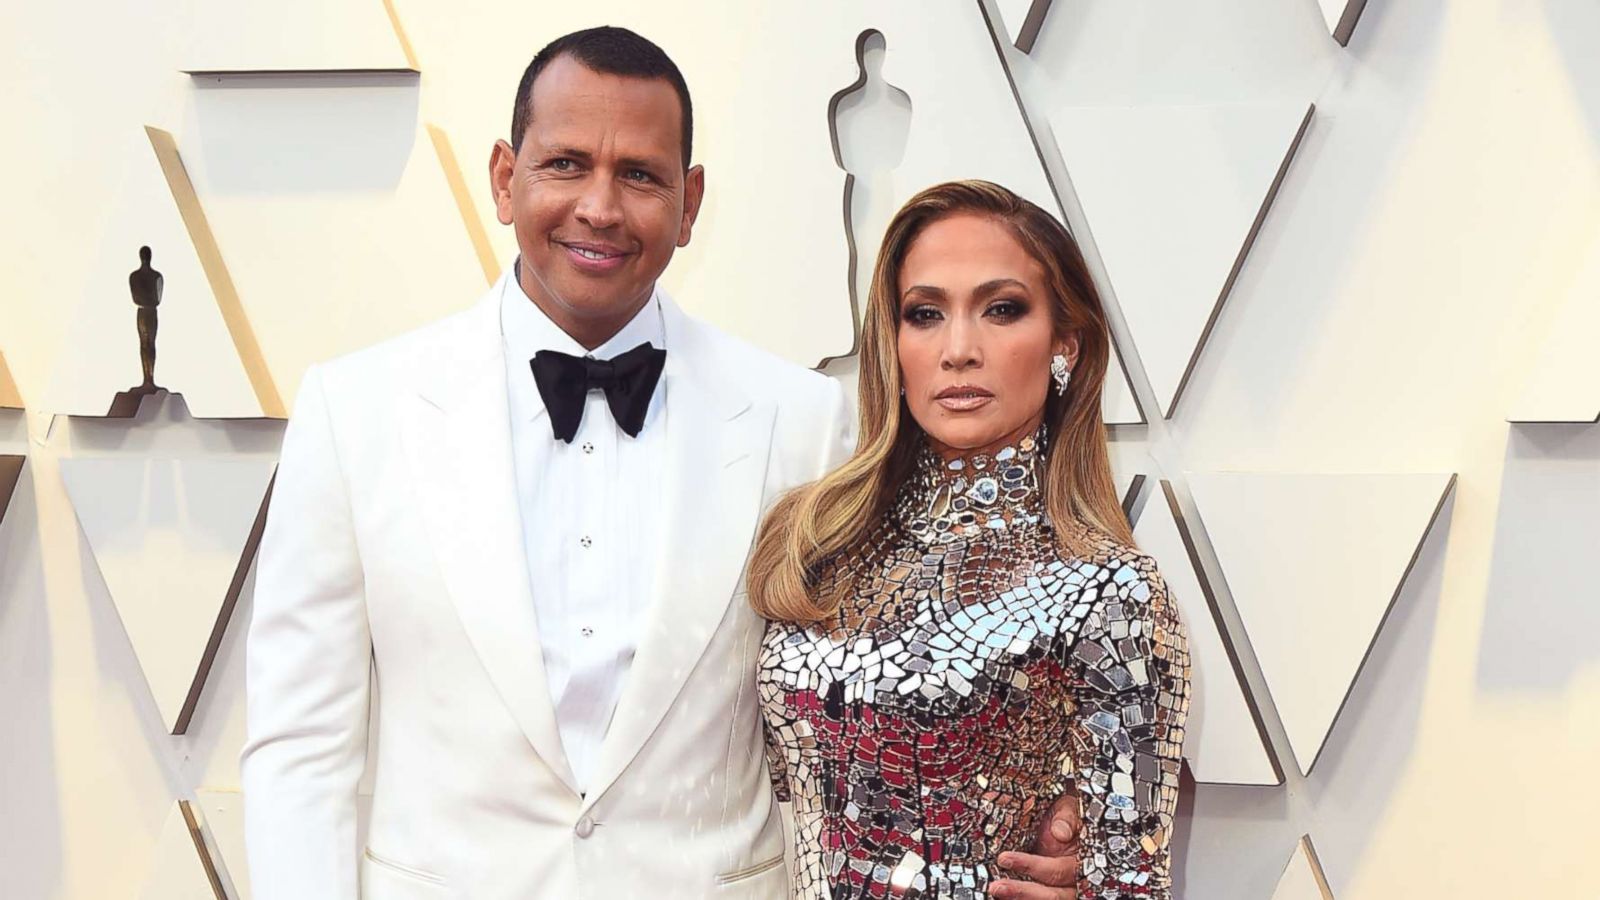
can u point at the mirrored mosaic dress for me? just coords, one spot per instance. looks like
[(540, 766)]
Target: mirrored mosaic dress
[(971, 677)]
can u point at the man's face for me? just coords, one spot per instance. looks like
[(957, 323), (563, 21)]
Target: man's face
[(598, 194)]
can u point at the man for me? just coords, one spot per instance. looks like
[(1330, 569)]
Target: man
[(531, 524)]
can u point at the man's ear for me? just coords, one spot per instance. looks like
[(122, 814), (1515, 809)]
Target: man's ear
[(694, 191), (502, 165)]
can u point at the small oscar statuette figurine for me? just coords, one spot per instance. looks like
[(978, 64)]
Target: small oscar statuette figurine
[(145, 284)]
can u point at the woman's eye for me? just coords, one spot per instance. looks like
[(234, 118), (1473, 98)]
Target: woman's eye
[(1007, 309), (920, 315)]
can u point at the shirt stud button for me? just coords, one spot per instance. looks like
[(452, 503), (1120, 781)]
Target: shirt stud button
[(588, 447), (585, 827), (586, 631), (586, 541)]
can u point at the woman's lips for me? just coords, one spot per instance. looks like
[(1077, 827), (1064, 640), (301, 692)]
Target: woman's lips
[(963, 398)]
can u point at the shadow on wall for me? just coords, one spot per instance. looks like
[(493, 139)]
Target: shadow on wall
[(1371, 746), (1543, 605), (30, 828), (289, 134), (1574, 27)]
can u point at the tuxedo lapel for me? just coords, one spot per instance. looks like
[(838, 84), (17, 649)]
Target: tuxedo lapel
[(717, 447), (459, 439)]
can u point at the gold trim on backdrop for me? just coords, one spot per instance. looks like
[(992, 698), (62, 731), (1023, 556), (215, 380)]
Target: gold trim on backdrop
[(469, 213), (400, 35), (1316, 867), (205, 246), (206, 861), (10, 397)]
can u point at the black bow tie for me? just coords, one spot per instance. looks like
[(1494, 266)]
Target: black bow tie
[(629, 379)]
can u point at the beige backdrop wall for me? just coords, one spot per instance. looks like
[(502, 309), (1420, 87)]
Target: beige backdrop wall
[(1355, 288)]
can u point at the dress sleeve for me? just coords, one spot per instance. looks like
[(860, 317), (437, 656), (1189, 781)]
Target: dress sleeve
[(1130, 665), (777, 762)]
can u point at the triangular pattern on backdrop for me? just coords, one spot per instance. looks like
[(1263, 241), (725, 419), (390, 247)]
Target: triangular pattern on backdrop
[(183, 869), (1174, 197), (10, 397), (788, 292), (1314, 563), (224, 819), (10, 474), (297, 36), (99, 369), (1129, 485), (173, 540), (1023, 18), (1342, 16), (1564, 384), (1303, 878), (330, 198), (1225, 741)]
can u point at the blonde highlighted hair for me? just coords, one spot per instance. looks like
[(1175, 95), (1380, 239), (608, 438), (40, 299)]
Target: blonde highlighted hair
[(814, 525)]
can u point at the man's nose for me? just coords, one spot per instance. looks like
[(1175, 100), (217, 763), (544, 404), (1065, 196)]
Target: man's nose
[(600, 204)]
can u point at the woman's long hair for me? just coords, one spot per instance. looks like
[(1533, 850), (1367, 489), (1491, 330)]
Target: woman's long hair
[(812, 525)]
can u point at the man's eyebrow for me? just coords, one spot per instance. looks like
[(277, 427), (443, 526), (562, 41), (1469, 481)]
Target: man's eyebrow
[(572, 152), (642, 162)]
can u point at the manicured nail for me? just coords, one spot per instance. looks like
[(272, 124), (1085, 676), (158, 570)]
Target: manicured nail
[(1061, 830)]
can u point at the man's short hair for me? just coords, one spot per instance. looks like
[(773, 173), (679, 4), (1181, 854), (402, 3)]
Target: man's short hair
[(609, 51)]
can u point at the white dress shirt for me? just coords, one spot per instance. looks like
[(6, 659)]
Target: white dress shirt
[(590, 520)]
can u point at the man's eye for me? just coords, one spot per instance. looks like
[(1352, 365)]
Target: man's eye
[(637, 175), (561, 165)]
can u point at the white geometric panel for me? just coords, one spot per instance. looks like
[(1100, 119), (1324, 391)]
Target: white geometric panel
[(1314, 562), (329, 198), (1174, 196), (1564, 385), (1118, 405), (1342, 16), (1225, 742), (183, 869), (10, 397), (197, 353), (234, 36), (769, 260), (173, 539), (1303, 878)]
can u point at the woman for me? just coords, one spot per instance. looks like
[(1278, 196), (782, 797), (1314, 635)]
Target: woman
[(961, 627)]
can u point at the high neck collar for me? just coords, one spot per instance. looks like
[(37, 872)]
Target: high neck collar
[(973, 495)]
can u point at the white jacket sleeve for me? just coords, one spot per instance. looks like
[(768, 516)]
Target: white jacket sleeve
[(308, 655)]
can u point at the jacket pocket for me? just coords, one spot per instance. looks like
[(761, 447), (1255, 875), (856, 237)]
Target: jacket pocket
[(749, 872), (381, 870)]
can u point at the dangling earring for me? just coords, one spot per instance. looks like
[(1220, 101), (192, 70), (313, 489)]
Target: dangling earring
[(1059, 373)]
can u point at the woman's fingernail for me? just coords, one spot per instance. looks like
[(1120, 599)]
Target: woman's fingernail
[(1061, 830), (1006, 859)]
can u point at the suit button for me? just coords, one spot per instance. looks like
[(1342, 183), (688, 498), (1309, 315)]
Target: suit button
[(585, 827)]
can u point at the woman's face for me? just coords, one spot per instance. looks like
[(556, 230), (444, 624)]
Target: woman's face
[(976, 335)]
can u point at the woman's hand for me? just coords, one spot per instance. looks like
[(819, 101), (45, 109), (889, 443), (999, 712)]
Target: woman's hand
[(1054, 869)]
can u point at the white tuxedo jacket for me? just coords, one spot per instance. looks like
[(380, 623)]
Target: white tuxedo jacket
[(393, 545)]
